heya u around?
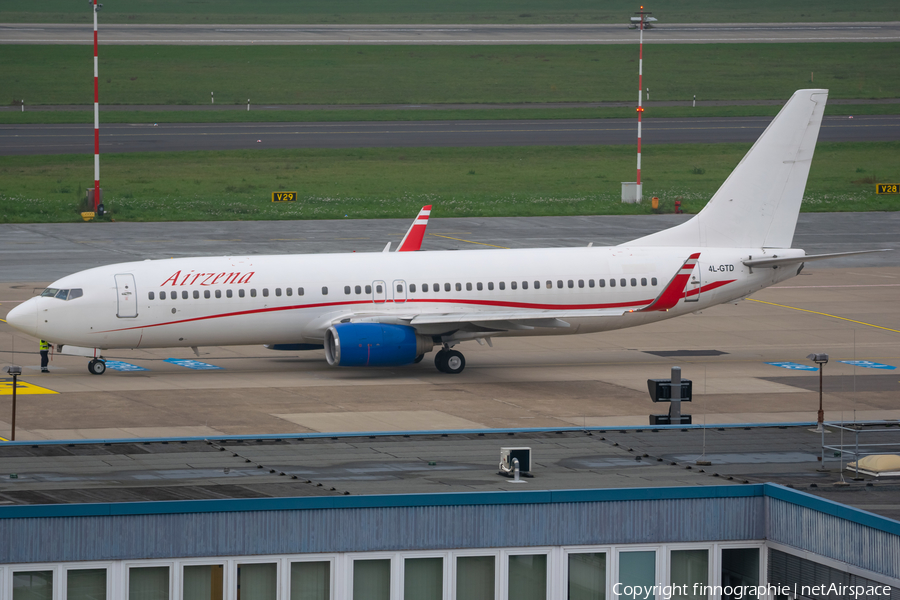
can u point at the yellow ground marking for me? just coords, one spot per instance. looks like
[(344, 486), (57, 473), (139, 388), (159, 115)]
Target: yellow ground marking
[(3, 439), (825, 315), (447, 237), (4, 320), (22, 388)]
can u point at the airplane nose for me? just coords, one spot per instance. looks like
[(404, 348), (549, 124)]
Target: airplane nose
[(24, 317)]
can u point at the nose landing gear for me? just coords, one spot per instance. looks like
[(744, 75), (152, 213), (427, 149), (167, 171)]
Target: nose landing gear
[(450, 361), (97, 366)]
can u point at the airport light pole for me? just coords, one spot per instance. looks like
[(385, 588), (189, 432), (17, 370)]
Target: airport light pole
[(96, 9), (640, 107), (821, 360)]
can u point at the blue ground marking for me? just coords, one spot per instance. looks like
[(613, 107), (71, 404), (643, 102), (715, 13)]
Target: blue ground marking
[(191, 364), (868, 364), (118, 365), (793, 366)]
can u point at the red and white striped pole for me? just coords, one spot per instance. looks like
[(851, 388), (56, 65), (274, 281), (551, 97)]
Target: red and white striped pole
[(640, 108), (96, 119)]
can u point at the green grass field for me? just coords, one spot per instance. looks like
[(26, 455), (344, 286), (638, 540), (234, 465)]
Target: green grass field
[(441, 74), (378, 183), (460, 11)]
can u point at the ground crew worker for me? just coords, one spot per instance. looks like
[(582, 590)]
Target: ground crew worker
[(45, 356)]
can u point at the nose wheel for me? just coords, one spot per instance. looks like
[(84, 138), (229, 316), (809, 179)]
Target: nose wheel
[(97, 367), (450, 361)]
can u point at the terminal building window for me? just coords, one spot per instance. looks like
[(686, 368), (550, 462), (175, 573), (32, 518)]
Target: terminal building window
[(689, 567), (637, 570), (33, 585), (148, 583), (310, 580), (423, 578), (475, 578), (202, 582), (740, 567), (257, 581), (587, 576), (86, 584), (528, 576), (372, 579)]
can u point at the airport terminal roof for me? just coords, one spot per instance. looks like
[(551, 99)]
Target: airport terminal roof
[(440, 462)]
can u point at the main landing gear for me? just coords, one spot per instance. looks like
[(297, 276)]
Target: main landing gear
[(97, 366), (449, 361)]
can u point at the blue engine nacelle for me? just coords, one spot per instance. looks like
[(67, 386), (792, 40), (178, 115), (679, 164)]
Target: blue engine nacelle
[(373, 345)]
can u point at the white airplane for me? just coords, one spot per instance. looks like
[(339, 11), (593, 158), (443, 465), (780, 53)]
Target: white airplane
[(391, 308)]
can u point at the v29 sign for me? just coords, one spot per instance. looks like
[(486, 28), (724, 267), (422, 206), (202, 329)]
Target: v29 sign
[(284, 196)]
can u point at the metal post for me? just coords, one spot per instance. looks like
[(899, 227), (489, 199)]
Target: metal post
[(821, 417), (12, 437), (640, 108), (515, 469), (694, 103), (675, 404), (96, 118), (857, 478)]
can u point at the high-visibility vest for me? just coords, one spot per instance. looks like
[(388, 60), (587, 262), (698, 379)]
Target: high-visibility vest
[(44, 345)]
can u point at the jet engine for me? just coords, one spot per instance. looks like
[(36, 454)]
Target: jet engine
[(374, 345)]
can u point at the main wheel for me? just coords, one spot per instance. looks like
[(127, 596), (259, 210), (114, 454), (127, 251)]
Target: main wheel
[(454, 363), (440, 361), (97, 367)]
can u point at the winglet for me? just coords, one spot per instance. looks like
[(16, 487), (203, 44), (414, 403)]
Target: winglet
[(412, 241), (675, 290)]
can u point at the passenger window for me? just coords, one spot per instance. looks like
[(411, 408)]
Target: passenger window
[(184, 295), (653, 281), (502, 285), (324, 290), (400, 288), (490, 285), (162, 296), (206, 293), (412, 288), (513, 285), (277, 291), (266, 292), (253, 293), (479, 286), (633, 282), (288, 291), (446, 287), (436, 287), (622, 282), (299, 291), (368, 289), (228, 293), (571, 284), (549, 285), (458, 287), (358, 290), (196, 294), (241, 292), (581, 283), (601, 282), (643, 281), (590, 283), (379, 289), (469, 287), (76, 293), (347, 289), (424, 287), (612, 283), (150, 295), (524, 285), (559, 283)]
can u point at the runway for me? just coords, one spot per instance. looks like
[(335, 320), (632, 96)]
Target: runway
[(846, 308), (691, 33), (167, 137)]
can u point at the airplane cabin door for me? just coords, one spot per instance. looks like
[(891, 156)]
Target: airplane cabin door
[(126, 295), (692, 289), (379, 292), (399, 290)]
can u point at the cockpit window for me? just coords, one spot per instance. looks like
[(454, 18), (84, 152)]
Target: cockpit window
[(62, 294)]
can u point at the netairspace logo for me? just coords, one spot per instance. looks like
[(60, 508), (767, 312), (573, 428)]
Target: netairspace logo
[(738, 592)]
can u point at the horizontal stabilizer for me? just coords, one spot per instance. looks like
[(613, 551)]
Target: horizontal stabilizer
[(794, 260)]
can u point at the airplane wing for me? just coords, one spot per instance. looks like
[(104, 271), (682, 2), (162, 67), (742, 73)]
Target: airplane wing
[(412, 241)]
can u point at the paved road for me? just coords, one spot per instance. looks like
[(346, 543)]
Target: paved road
[(44, 252), (447, 34), (69, 139)]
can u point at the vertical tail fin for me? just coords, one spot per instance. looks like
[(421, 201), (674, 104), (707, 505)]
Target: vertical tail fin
[(758, 204)]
